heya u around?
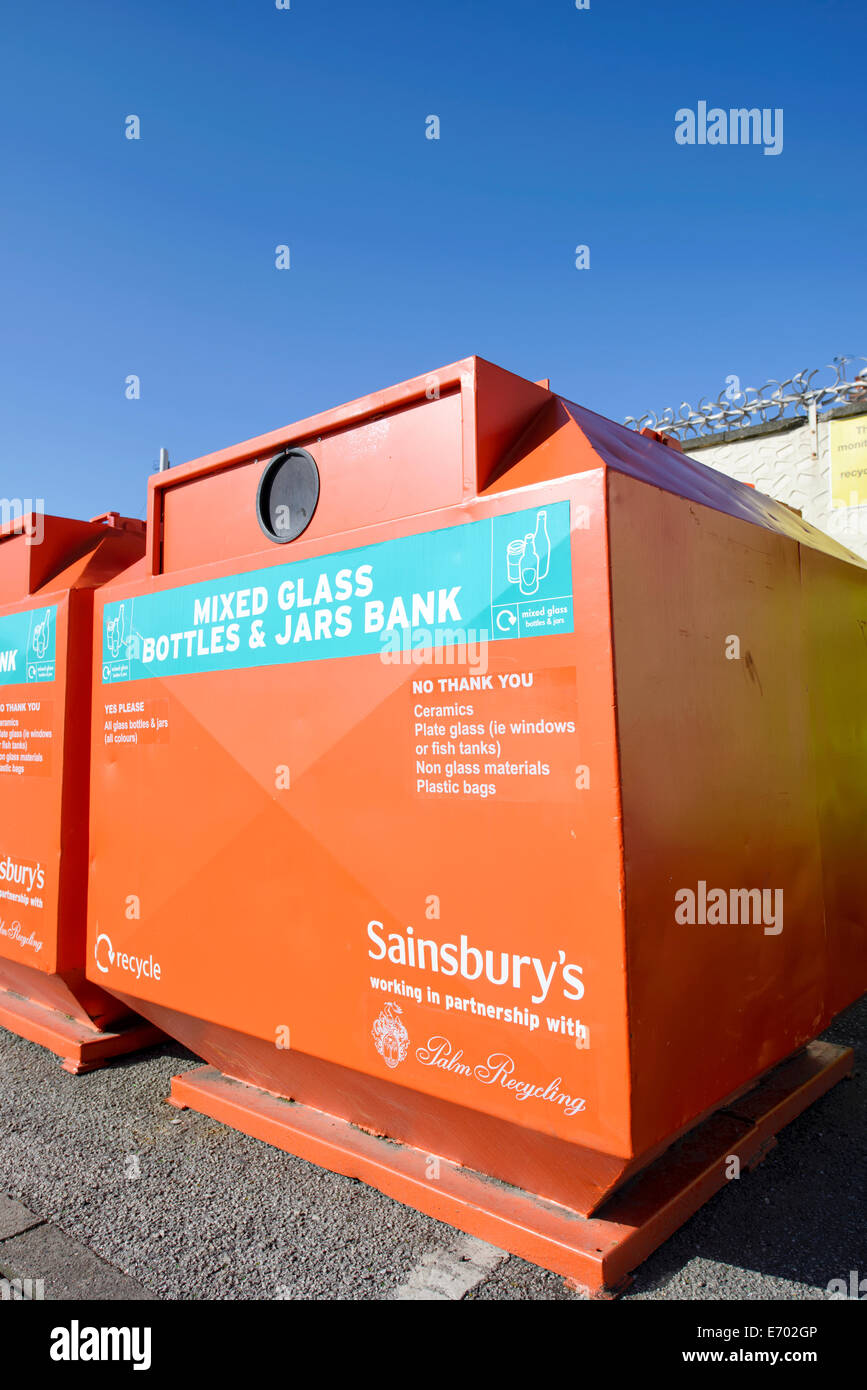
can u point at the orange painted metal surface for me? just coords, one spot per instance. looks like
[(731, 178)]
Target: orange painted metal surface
[(49, 569), (434, 893)]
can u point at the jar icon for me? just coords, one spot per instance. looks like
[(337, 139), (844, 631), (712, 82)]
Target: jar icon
[(514, 555)]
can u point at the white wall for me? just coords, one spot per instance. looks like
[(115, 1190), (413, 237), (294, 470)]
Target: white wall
[(781, 466)]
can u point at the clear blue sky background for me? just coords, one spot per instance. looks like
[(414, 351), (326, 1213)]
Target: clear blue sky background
[(307, 127)]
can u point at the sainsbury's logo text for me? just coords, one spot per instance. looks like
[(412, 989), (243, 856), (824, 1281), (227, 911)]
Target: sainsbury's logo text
[(27, 876), (472, 963)]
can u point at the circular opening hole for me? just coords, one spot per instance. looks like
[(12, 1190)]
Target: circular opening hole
[(288, 494)]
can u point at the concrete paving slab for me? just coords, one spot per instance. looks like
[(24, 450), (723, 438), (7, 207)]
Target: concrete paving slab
[(14, 1218), (64, 1268)]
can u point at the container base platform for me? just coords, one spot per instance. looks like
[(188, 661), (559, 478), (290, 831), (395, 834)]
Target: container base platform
[(597, 1253), (82, 1049)]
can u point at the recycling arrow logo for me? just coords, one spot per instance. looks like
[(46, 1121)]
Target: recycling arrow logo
[(110, 953)]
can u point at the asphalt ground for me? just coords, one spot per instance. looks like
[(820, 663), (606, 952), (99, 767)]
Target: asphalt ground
[(110, 1194)]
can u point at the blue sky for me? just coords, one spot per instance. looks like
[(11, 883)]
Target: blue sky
[(306, 127)]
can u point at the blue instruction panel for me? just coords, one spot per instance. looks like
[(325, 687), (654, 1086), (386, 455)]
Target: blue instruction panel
[(503, 577), (27, 646)]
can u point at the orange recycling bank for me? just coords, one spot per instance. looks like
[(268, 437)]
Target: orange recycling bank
[(489, 781), (49, 569)]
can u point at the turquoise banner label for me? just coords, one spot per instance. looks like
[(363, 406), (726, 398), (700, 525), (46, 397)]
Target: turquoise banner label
[(27, 646), (504, 577)]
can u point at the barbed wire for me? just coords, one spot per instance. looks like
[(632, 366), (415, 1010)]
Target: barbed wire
[(735, 408)]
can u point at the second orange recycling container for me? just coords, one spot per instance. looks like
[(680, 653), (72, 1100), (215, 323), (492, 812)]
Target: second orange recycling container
[(50, 568)]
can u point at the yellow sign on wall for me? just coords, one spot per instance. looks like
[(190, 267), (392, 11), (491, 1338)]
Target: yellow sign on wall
[(849, 462)]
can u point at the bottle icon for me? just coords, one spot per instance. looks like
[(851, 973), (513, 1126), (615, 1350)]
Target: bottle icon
[(529, 566), (542, 542), (114, 632)]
